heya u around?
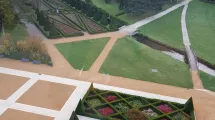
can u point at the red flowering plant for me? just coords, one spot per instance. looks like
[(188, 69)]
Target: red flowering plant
[(106, 111), (110, 98), (165, 108)]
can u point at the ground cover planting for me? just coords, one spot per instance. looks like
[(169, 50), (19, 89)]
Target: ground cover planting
[(122, 109), (201, 29), (137, 61), (24, 51), (82, 54), (166, 29)]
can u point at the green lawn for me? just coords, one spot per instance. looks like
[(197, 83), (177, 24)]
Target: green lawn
[(131, 59), (112, 9), (82, 54), (166, 29), (201, 29), (18, 33), (208, 81)]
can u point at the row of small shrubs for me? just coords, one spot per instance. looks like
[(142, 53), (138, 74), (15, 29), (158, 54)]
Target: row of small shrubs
[(30, 49), (97, 14), (44, 21)]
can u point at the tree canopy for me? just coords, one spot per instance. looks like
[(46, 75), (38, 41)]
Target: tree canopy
[(9, 18), (138, 7)]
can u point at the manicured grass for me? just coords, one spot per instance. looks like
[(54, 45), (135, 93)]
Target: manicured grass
[(131, 59), (18, 33), (201, 29), (208, 81), (82, 54), (167, 29), (112, 8)]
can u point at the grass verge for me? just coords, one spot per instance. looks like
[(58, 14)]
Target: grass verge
[(131, 59)]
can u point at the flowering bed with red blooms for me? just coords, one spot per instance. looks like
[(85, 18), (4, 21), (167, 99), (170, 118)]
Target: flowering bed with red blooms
[(106, 111), (65, 28), (110, 98), (115, 105), (92, 27), (165, 108)]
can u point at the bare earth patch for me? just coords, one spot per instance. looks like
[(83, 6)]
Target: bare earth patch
[(11, 114), (47, 95), (10, 84)]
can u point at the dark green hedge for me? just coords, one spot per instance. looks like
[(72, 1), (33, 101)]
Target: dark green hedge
[(45, 32)]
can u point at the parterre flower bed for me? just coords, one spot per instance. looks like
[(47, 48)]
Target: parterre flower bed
[(107, 105), (92, 27), (106, 111), (65, 28), (165, 108)]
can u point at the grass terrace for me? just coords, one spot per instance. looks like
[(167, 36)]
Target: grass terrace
[(208, 81), (201, 29), (131, 59), (82, 54), (18, 33), (166, 29)]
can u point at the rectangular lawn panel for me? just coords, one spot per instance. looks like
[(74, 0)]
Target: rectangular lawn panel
[(201, 29), (131, 59), (166, 29), (208, 81), (82, 54)]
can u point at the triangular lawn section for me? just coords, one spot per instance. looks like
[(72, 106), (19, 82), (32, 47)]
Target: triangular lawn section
[(82, 54), (131, 59), (166, 29), (201, 29)]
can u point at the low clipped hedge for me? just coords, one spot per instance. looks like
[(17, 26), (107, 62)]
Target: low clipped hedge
[(45, 32), (107, 100)]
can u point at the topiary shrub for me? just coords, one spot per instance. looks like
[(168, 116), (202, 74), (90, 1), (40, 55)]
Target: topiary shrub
[(53, 31), (104, 20)]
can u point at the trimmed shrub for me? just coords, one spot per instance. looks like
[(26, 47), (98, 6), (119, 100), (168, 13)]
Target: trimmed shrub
[(97, 14), (104, 19), (53, 31), (47, 24)]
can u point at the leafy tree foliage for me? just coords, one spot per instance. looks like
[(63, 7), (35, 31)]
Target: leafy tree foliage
[(138, 7), (97, 14), (9, 18)]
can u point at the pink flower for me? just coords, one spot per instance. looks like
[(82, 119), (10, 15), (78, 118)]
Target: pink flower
[(106, 111), (111, 98), (165, 108)]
